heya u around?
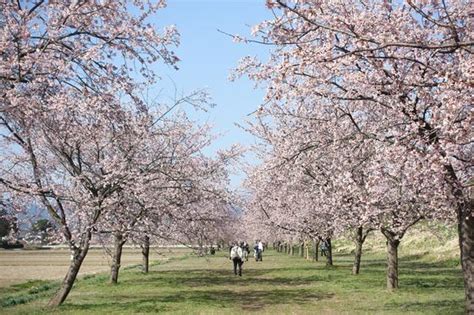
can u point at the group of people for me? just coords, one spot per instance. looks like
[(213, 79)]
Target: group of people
[(239, 252)]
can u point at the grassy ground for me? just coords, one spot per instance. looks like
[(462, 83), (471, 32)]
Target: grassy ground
[(280, 284)]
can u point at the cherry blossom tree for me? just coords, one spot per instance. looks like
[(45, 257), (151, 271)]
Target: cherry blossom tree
[(397, 70), (179, 191), (65, 77), (72, 165)]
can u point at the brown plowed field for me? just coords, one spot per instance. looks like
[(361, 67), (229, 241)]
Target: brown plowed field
[(17, 266)]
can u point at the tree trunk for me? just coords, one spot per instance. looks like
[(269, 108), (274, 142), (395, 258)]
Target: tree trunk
[(77, 259), (316, 250), (117, 257), (329, 253), (465, 218), (466, 238), (358, 251), (392, 263), (292, 249), (307, 251), (146, 253), (200, 248), (302, 249)]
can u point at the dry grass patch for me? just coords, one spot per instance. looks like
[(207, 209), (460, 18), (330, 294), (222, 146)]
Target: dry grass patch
[(18, 266)]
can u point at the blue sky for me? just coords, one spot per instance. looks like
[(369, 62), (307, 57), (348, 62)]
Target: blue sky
[(207, 58)]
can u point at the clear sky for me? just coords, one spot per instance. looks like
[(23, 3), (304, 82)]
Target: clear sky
[(207, 58)]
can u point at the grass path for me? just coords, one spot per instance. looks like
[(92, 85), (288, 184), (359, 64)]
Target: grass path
[(280, 284)]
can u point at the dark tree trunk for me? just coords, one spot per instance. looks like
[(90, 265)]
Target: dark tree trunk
[(359, 240), (466, 239), (78, 256), (358, 251), (329, 253), (393, 240), (116, 257), (465, 219), (146, 253), (392, 263), (316, 250), (302, 249), (292, 249)]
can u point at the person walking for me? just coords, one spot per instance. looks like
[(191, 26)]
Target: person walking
[(236, 255), (255, 250), (261, 248), (324, 248), (245, 250)]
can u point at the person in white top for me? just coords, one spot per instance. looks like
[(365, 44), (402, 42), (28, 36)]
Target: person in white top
[(236, 255), (258, 250)]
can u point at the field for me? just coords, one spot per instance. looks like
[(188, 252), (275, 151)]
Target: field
[(17, 266), (281, 284)]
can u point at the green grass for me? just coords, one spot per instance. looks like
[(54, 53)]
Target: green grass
[(26, 292), (281, 284)]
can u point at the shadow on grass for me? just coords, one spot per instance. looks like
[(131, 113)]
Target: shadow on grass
[(201, 288), (251, 277), (250, 300), (413, 274), (444, 306), (299, 282)]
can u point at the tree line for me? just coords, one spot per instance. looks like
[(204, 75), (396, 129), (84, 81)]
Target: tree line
[(366, 125), (79, 139)]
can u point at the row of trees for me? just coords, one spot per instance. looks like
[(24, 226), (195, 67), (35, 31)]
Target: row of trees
[(367, 122), (80, 141)]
